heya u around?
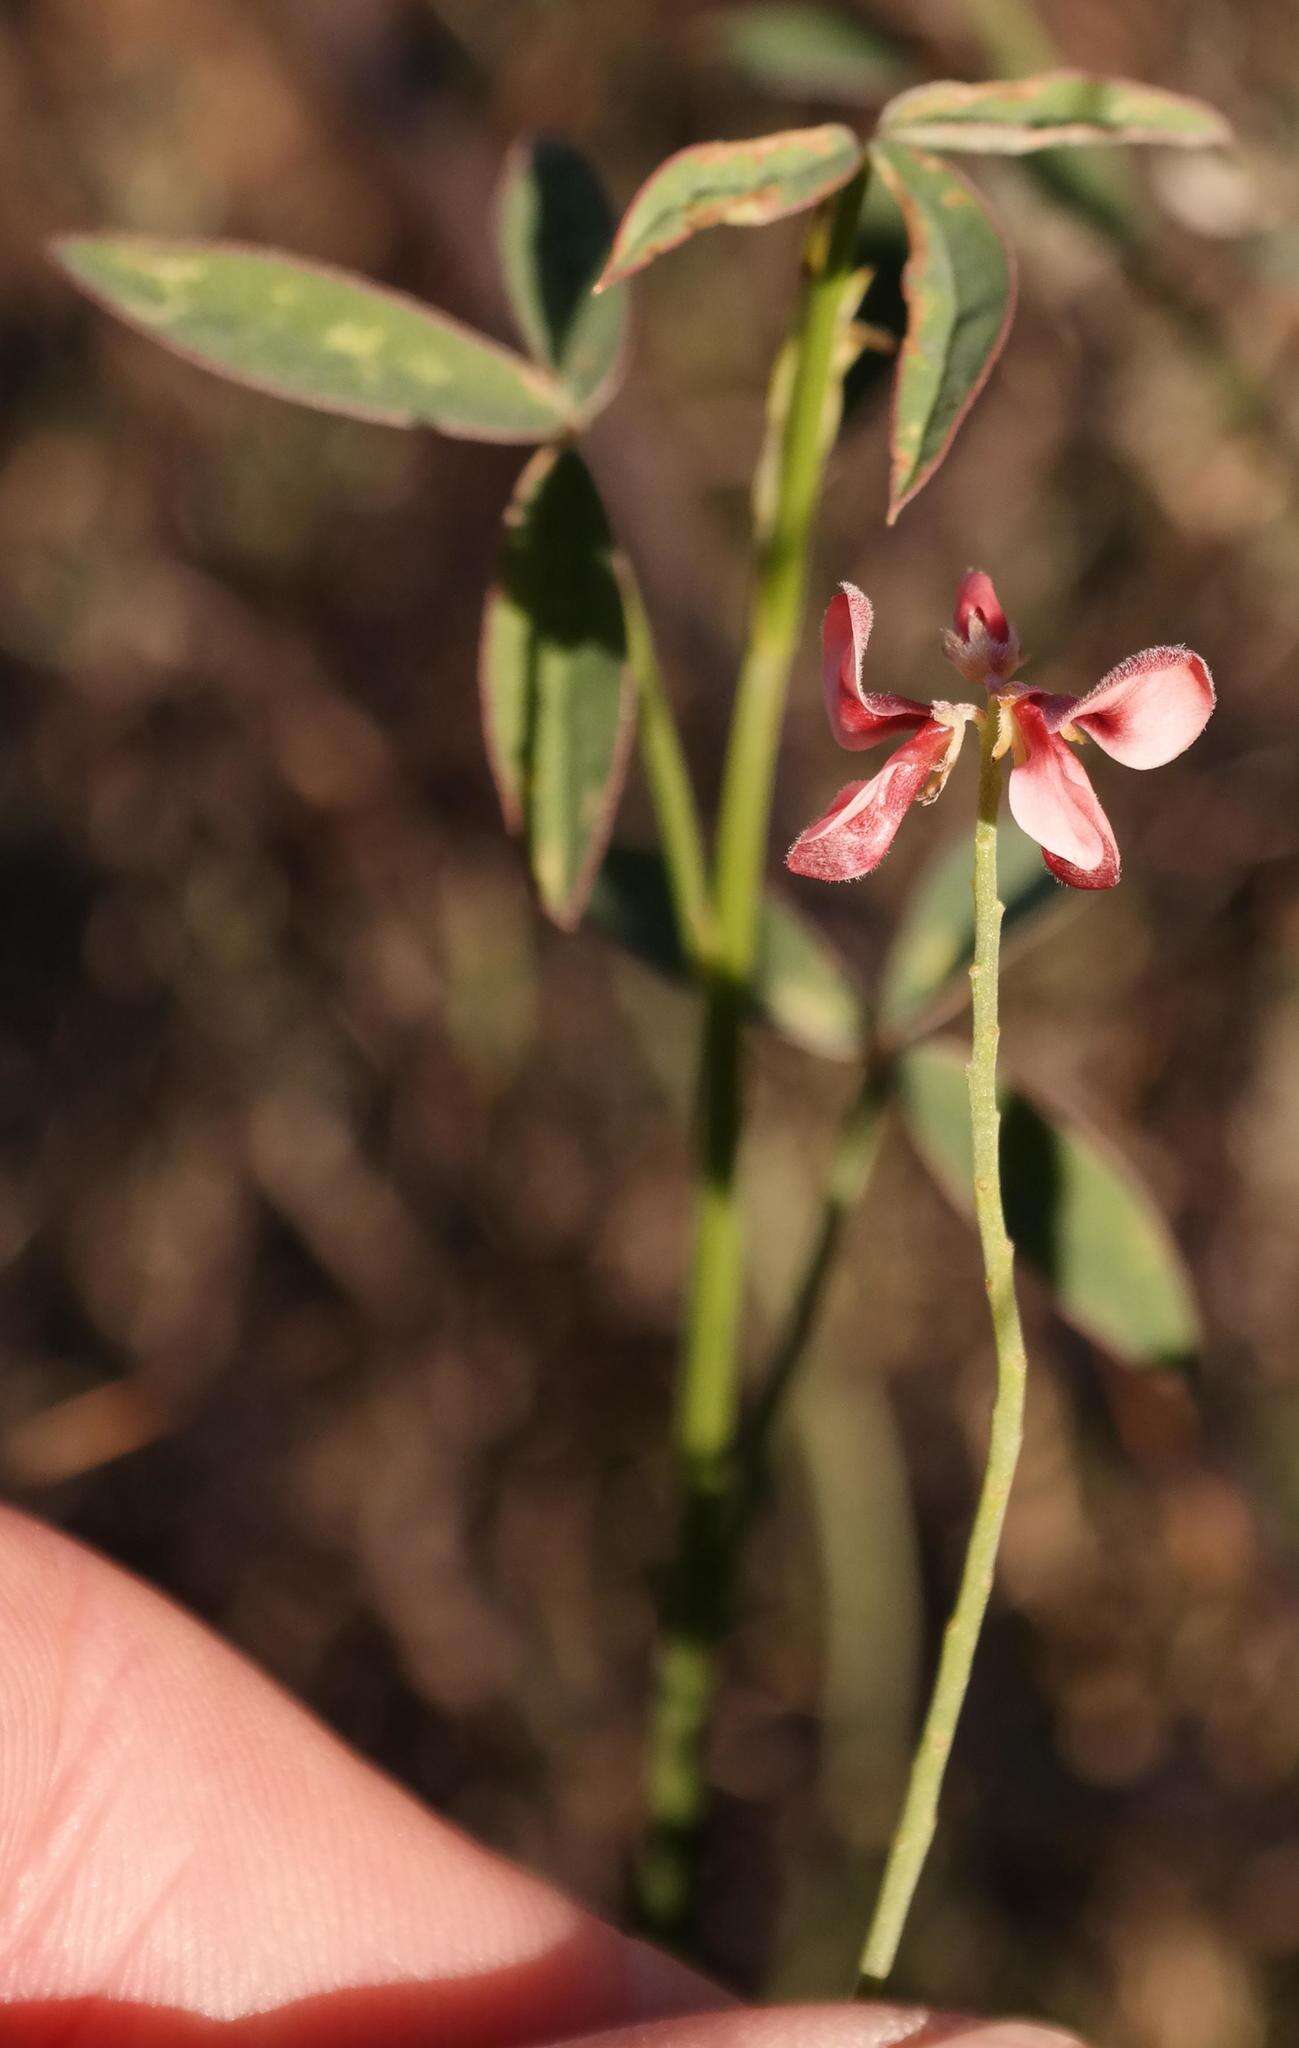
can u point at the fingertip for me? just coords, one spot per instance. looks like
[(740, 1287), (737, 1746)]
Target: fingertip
[(233, 1859)]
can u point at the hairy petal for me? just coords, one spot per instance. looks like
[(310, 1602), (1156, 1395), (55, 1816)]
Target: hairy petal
[(858, 718), (1147, 710), (1053, 801), (859, 827), (1105, 876)]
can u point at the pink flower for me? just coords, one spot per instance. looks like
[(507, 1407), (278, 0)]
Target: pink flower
[(1144, 712)]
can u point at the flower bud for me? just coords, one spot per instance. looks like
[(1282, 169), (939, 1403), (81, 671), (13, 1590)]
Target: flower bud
[(981, 643)]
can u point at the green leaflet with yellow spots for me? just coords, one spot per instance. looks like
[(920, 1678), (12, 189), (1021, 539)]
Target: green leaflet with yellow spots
[(959, 285), (319, 336)]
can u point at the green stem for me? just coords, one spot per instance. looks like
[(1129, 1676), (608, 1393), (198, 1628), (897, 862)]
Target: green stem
[(777, 615), (670, 787), (697, 1598), (915, 1830)]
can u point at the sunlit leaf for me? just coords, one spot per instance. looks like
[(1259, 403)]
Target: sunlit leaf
[(800, 987), (731, 184), (935, 940), (555, 227), (959, 284), (805, 51), (318, 336), (1008, 117), (556, 687), (1074, 1208)]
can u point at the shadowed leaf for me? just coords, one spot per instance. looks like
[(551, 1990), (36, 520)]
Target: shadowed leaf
[(731, 184), (554, 227), (1073, 1207), (317, 336), (800, 987), (959, 284), (935, 940), (556, 687), (805, 51), (1055, 108)]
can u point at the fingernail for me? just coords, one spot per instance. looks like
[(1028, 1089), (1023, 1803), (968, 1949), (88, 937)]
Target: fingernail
[(1002, 2034)]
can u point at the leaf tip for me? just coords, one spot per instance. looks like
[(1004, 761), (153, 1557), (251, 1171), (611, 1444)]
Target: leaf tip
[(62, 250), (903, 489), (616, 271), (1220, 131), (566, 917)]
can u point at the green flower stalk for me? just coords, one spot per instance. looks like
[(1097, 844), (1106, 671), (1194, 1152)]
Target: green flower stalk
[(1143, 712), (915, 1829)]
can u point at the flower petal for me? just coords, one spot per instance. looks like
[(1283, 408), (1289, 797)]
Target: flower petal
[(859, 827), (977, 598), (1052, 800), (1147, 710), (858, 718), (981, 642)]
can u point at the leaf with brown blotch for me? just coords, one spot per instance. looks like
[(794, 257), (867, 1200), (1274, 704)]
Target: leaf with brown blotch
[(730, 184), (1054, 109)]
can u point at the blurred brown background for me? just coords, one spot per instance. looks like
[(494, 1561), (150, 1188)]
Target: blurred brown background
[(342, 1206)]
